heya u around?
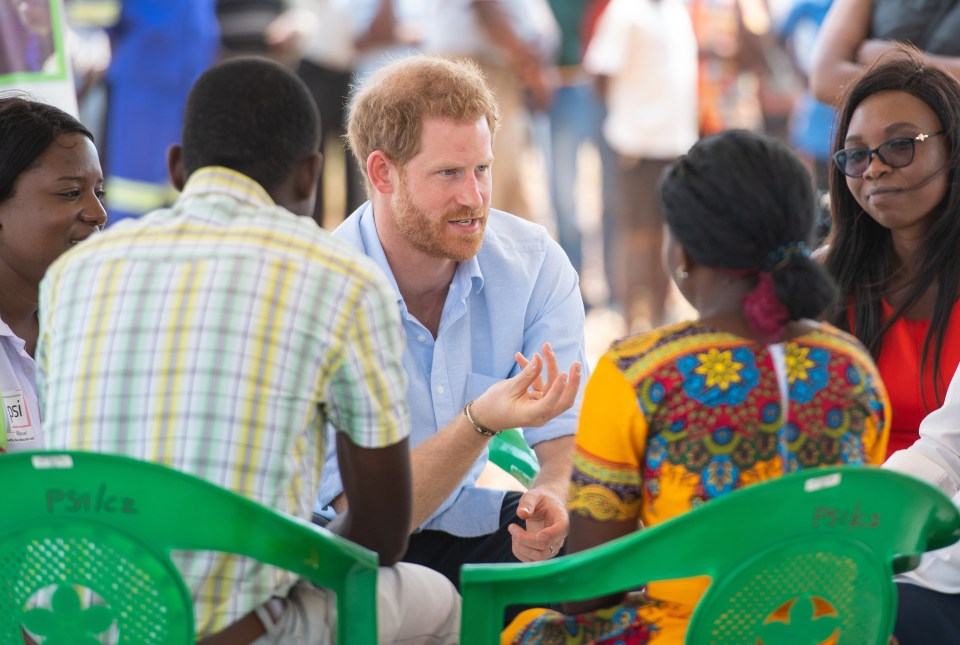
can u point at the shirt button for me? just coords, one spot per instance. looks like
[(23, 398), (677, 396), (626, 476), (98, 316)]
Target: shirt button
[(439, 389), (422, 338)]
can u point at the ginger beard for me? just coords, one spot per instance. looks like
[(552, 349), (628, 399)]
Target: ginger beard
[(440, 238)]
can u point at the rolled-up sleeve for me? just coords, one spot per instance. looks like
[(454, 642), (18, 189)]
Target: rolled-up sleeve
[(556, 315)]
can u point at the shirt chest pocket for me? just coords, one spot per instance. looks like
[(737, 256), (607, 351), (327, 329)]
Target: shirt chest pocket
[(477, 384)]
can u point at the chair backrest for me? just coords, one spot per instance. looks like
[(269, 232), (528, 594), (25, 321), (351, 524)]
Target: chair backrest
[(808, 556), (107, 523), (509, 451)]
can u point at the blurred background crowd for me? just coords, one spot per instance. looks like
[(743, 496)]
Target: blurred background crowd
[(597, 96)]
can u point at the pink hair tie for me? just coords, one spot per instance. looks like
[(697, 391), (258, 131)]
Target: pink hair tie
[(763, 310)]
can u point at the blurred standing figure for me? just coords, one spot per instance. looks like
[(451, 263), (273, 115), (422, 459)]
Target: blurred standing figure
[(326, 67), (507, 39), (351, 39), (644, 55), (574, 121), (26, 39), (325, 41), (33, 52), (159, 50), (856, 33), (265, 28), (729, 56), (812, 121)]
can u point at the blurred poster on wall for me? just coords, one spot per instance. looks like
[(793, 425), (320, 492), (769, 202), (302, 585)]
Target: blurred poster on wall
[(33, 52)]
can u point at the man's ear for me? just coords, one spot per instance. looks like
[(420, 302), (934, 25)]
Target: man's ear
[(380, 172), (307, 177), (175, 166), (686, 262)]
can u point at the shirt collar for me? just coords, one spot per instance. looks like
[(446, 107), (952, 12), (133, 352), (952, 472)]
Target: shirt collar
[(18, 343), (5, 329), (218, 180)]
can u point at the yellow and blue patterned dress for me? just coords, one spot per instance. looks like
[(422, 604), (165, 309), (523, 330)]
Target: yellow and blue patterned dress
[(680, 415)]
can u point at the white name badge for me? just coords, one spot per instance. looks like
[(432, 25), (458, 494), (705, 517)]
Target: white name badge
[(19, 423)]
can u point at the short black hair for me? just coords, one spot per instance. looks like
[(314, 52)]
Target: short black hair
[(251, 115), (736, 198), (27, 129)]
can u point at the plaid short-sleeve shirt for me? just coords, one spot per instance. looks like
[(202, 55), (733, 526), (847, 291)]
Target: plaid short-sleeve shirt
[(216, 337)]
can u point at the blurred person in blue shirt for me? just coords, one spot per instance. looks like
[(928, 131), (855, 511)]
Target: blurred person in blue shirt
[(159, 50), (811, 123)]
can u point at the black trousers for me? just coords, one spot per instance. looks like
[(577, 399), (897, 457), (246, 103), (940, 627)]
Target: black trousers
[(926, 617), (446, 553)]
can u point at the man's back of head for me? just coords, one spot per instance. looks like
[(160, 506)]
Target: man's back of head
[(251, 115)]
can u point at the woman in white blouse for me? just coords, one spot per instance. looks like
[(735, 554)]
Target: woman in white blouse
[(51, 187)]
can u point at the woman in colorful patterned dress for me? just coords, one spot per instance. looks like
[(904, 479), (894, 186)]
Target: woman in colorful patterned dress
[(751, 390)]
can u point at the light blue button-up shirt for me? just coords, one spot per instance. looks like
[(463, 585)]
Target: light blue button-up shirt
[(518, 292)]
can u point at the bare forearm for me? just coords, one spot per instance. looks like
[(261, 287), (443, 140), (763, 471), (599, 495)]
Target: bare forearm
[(587, 533), (830, 80), (440, 463), (377, 481), (829, 83), (834, 64), (437, 465), (556, 458)]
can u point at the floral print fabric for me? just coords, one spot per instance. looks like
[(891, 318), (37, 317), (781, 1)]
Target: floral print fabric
[(678, 416)]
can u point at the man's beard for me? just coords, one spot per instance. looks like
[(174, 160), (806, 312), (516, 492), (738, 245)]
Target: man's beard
[(428, 236)]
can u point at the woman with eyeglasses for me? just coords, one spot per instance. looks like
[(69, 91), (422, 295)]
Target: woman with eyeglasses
[(895, 245), (51, 188)]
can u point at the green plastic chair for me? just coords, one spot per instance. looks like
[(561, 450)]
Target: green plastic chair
[(108, 523), (806, 558), (509, 451)]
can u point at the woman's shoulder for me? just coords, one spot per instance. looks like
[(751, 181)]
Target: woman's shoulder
[(642, 342), (646, 351), (833, 339)]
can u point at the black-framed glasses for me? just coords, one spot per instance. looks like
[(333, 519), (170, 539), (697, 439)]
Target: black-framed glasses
[(896, 153)]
